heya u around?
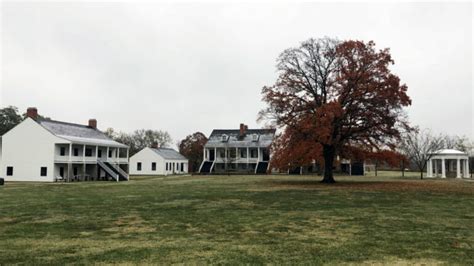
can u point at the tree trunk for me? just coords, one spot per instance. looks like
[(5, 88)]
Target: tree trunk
[(376, 166), (328, 154), (421, 174)]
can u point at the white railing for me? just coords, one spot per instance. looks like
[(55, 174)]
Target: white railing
[(86, 159)]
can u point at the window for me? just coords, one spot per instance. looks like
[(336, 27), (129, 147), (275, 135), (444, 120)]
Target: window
[(222, 153), (62, 151), (182, 167), (75, 171), (166, 166), (110, 153), (9, 170), (76, 152), (153, 166), (44, 171), (139, 166), (243, 153), (88, 152), (253, 153), (99, 153), (255, 137), (224, 138)]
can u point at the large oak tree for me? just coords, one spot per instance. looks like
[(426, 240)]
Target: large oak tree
[(192, 148), (333, 94)]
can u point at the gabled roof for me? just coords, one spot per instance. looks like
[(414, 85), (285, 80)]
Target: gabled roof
[(168, 153), (78, 133), (264, 138)]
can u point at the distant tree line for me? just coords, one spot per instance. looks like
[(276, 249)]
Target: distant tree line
[(140, 139)]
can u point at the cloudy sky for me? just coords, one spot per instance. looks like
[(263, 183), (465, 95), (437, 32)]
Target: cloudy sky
[(187, 67)]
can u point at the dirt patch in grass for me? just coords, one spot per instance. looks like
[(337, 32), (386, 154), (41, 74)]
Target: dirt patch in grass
[(442, 186), (130, 224)]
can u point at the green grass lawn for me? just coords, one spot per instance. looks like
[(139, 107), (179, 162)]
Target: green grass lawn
[(239, 219)]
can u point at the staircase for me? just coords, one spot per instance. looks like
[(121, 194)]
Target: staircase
[(108, 170), (206, 167), (261, 168), (123, 176)]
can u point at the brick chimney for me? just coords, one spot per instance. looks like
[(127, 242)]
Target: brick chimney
[(93, 123), (243, 129), (32, 113), (154, 145)]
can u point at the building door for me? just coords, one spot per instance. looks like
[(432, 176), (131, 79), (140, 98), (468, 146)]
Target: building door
[(211, 155), (61, 171)]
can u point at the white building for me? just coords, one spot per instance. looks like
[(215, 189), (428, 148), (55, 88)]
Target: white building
[(448, 163), (158, 161), (240, 150), (46, 150)]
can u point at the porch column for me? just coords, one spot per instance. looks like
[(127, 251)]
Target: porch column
[(236, 157), (258, 149), (107, 155), (128, 153), (69, 165), (428, 169), (204, 154), (458, 168), (443, 168), (248, 155), (96, 153)]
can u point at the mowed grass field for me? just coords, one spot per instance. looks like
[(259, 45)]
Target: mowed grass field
[(239, 219)]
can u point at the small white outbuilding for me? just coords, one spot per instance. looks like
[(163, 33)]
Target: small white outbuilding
[(158, 161)]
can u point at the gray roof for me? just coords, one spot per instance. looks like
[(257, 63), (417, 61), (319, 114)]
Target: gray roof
[(169, 154), (264, 138), (78, 133)]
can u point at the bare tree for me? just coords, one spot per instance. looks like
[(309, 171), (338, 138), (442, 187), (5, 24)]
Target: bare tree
[(418, 146), (460, 143)]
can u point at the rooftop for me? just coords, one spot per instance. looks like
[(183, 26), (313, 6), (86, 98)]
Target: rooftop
[(78, 133), (249, 138), (168, 153)]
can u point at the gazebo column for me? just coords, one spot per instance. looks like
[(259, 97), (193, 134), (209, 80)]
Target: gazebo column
[(429, 170), (443, 168), (466, 168), (458, 168), (435, 167)]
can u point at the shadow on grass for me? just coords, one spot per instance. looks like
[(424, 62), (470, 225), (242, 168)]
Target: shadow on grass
[(451, 186)]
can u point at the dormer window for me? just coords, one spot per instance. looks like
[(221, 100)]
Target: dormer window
[(224, 138), (255, 137)]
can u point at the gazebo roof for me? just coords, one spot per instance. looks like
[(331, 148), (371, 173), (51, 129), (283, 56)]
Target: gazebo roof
[(449, 152)]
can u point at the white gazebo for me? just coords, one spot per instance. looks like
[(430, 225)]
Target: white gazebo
[(448, 161)]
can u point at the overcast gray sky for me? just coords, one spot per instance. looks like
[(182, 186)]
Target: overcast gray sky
[(197, 66)]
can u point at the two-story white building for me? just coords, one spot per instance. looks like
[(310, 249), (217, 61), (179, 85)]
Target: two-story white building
[(240, 150), (46, 150)]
